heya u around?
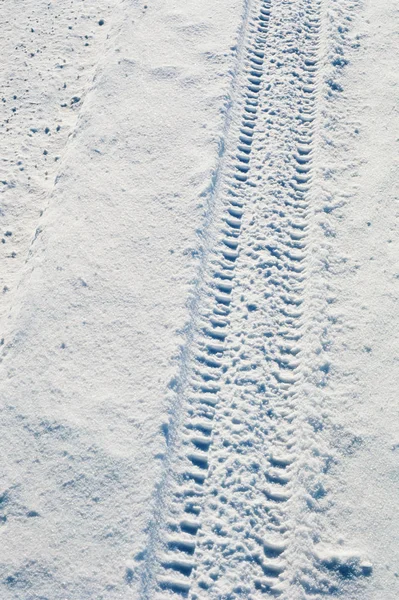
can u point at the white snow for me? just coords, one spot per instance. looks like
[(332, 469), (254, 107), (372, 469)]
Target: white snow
[(199, 300)]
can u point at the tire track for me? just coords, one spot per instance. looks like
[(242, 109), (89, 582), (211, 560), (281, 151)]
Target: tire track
[(224, 525), (248, 525)]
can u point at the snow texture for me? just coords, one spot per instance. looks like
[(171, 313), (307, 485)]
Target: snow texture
[(198, 300)]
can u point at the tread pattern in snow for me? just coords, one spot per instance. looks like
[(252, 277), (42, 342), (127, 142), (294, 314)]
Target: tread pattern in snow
[(226, 517), (247, 529)]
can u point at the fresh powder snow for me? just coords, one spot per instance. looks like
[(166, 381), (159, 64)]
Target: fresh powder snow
[(199, 285)]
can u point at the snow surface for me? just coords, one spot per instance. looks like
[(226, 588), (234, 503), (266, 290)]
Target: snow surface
[(199, 298)]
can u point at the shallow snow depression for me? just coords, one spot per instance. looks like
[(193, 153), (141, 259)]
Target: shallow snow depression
[(198, 302)]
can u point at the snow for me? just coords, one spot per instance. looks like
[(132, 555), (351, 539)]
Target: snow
[(199, 300), (94, 326)]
